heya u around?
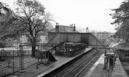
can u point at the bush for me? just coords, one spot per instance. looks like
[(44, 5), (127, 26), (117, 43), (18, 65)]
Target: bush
[(2, 45)]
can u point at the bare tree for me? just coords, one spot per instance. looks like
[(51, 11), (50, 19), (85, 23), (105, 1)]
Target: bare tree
[(7, 19), (33, 20)]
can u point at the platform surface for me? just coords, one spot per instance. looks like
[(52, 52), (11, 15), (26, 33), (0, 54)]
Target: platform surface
[(98, 71), (44, 69)]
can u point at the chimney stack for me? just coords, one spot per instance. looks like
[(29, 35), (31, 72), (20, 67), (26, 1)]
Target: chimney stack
[(87, 29), (74, 27), (57, 27)]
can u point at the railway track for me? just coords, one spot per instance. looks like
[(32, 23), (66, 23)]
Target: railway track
[(79, 67), (88, 65)]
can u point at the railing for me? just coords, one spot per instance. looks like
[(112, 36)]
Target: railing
[(12, 61), (10, 53)]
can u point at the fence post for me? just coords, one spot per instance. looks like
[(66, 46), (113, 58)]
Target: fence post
[(13, 63), (21, 57)]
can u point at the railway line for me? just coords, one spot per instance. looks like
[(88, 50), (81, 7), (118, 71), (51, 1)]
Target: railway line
[(78, 67)]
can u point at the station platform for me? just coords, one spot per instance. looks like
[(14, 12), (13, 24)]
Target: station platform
[(44, 69), (98, 71)]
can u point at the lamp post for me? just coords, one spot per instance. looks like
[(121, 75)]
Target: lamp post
[(21, 56)]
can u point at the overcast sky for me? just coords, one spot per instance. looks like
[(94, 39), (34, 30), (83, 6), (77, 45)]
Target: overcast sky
[(84, 13)]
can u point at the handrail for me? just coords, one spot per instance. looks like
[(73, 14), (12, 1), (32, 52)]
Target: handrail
[(50, 40), (99, 41)]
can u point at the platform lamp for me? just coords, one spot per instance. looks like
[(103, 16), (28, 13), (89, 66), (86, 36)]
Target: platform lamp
[(105, 48)]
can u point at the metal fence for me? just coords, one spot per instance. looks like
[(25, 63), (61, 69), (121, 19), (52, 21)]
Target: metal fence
[(12, 61)]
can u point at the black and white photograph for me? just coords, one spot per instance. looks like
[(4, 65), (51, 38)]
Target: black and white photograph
[(64, 38)]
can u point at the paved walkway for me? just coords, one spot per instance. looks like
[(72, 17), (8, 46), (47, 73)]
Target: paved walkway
[(97, 69), (118, 70)]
